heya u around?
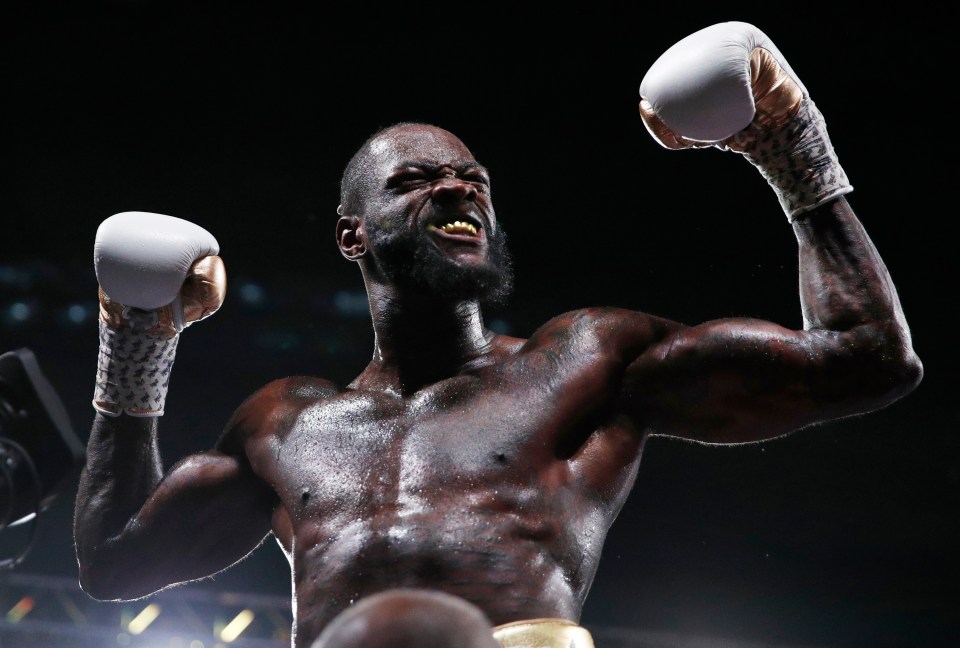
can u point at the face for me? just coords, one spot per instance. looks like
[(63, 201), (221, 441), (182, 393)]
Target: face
[(428, 218)]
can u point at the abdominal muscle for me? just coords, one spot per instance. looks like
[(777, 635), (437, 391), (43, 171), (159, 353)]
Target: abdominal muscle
[(500, 562)]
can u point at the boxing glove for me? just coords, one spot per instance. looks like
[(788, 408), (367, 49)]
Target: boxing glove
[(157, 275), (728, 86)]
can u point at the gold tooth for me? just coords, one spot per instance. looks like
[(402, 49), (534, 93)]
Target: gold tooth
[(446, 227)]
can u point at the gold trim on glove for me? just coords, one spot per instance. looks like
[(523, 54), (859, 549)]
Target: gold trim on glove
[(200, 296), (776, 96), (542, 633)]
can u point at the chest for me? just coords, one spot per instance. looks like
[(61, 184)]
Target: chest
[(465, 437)]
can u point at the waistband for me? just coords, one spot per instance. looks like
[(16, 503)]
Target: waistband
[(542, 633)]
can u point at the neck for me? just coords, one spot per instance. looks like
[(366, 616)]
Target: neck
[(419, 340)]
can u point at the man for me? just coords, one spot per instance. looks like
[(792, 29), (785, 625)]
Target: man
[(464, 482)]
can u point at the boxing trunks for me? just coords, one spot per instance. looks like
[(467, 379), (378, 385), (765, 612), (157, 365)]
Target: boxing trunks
[(542, 633)]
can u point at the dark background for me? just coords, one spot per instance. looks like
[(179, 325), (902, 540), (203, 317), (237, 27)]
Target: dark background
[(240, 115)]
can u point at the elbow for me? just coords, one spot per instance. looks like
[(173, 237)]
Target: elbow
[(906, 367), (109, 589), (98, 588), (909, 372), (97, 585), (876, 367), (106, 580), (899, 368), (100, 585)]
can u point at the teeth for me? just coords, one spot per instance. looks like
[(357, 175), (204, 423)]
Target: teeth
[(458, 225)]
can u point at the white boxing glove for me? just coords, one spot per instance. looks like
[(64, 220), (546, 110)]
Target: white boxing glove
[(157, 274), (141, 259), (729, 86)]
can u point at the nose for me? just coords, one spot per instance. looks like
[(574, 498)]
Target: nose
[(451, 188)]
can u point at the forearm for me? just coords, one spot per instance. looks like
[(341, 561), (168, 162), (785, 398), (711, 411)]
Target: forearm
[(138, 532), (843, 281), (123, 468), (846, 290), (738, 379), (135, 522)]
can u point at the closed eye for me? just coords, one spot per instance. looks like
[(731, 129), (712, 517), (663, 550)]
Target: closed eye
[(478, 178), (411, 177), (406, 179)]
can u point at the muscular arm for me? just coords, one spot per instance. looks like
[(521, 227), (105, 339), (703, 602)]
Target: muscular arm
[(738, 380), (138, 530), (728, 86)]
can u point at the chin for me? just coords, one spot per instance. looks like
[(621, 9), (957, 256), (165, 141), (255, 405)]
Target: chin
[(421, 266)]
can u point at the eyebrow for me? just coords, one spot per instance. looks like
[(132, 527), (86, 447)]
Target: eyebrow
[(429, 166)]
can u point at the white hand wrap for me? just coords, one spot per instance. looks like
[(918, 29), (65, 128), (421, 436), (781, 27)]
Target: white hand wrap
[(133, 368), (163, 274), (798, 160)]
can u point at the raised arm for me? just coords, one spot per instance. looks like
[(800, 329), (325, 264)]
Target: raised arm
[(136, 529), (737, 380)]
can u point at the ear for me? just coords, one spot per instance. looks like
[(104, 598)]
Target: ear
[(350, 237)]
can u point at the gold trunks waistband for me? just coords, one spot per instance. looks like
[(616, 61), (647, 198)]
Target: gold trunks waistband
[(542, 633)]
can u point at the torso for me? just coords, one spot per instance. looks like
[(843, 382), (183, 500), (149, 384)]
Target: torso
[(497, 485)]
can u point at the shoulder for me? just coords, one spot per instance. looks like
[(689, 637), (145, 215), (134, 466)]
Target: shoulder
[(269, 410), (603, 328)]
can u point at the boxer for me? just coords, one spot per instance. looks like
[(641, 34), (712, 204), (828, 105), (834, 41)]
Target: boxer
[(458, 491)]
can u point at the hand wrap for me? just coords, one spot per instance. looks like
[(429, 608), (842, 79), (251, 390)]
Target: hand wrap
[(133, 367), (163, 274), (797, 160)]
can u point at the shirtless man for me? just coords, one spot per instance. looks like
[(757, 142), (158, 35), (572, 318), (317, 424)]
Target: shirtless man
[(465, 481)]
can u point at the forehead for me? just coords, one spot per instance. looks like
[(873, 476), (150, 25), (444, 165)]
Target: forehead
[(418, 144)]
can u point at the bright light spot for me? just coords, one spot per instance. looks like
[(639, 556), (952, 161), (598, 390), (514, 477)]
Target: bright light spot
[(233, 629), (25, 518), (77, 314), (19, 311), (144, 619), (351, 303), (251, 293), (500, 326), (20, 610), (14, 277)]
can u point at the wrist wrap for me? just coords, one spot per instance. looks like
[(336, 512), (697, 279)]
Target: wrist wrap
[(133, 367), (797, 160)]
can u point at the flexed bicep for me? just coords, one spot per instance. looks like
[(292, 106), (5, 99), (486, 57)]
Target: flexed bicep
[(740, 380), (214, 507), (728, 86), (137, 534)]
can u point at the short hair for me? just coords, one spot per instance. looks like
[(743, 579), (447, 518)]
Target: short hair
[(355, 181)]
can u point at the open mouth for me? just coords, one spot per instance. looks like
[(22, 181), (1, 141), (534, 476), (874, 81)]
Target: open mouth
[(462, 228)]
